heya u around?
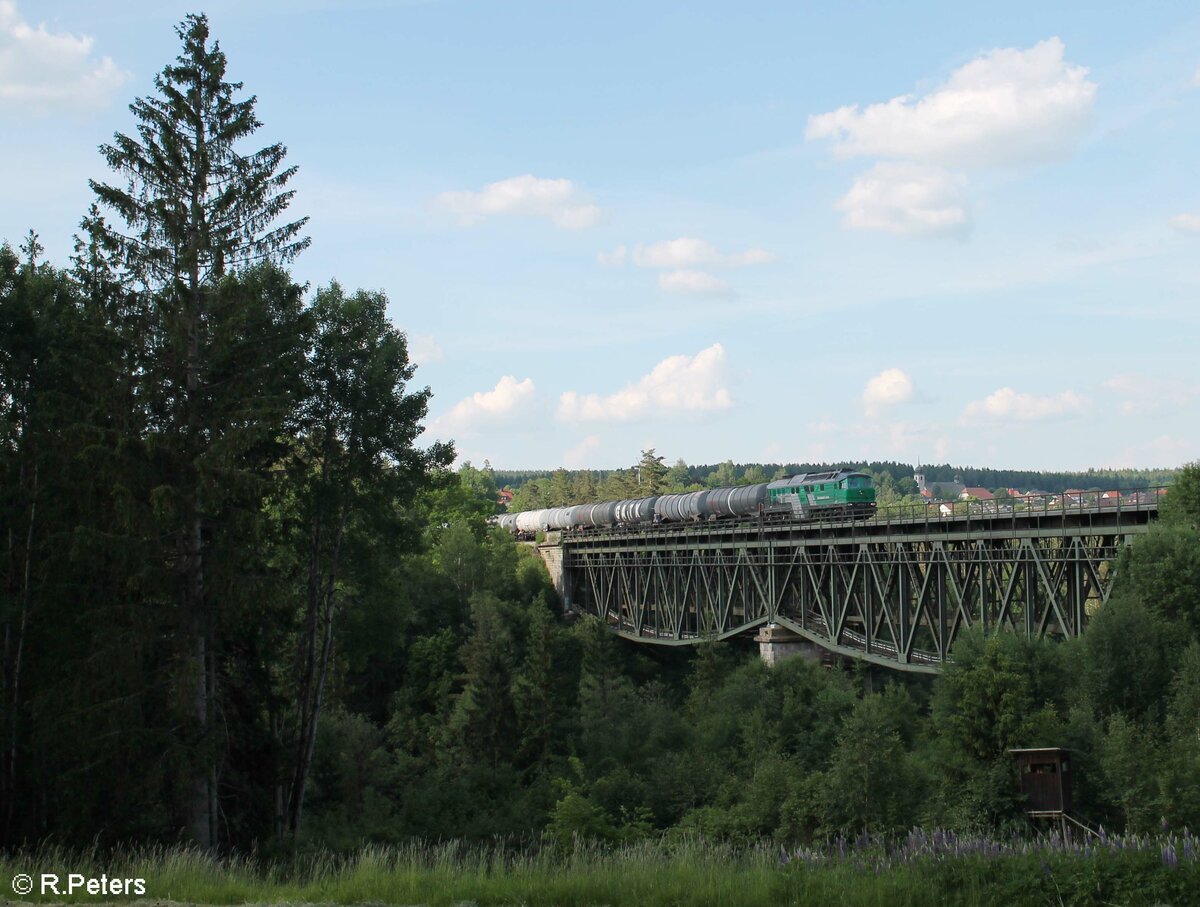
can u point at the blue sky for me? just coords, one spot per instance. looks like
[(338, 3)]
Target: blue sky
[(757, 231)]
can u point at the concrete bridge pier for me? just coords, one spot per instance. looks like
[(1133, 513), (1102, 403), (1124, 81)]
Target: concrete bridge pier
[(551, 553), (775, 643)]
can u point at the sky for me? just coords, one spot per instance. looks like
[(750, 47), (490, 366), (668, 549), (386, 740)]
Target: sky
[(765, 232)]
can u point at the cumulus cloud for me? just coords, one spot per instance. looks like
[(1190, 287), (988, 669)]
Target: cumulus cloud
[(688, 252), (612, 259), (1008, 405), (578, 455), (678, 384), (43, 71), (1188, 223), (560, 201), (888, 388), (908, 200), (1005, 107), (505, 400), (694, 283), (423, 349)]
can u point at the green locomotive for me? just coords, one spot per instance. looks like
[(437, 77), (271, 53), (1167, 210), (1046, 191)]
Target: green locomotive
[(831, 492)]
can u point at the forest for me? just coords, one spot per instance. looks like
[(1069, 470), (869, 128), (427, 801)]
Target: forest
[(244, 609)]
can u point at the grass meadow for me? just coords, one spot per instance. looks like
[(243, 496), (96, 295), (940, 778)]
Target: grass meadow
[(920, 869)]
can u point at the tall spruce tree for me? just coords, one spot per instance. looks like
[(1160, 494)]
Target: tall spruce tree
[(196, 208)]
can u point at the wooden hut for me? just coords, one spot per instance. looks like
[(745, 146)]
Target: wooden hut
[(1044, 777)]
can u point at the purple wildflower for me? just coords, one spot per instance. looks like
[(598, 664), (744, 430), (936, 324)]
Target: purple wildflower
[(1169, 857)]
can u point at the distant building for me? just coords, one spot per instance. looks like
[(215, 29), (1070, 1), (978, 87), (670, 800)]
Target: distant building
[(949, 491), (944, 491), (979, 494), (504, 498)]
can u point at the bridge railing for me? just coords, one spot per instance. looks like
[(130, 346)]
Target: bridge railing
[(938, 513), (1064, 504)]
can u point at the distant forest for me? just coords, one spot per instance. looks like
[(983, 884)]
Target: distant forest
[(1023, 479)]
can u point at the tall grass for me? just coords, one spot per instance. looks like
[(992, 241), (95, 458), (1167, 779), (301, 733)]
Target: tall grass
[(918, 870)]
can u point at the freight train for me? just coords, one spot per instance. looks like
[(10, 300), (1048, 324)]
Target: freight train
[(807, 496)]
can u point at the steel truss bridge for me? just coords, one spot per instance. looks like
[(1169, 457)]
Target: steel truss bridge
[(895, 591)]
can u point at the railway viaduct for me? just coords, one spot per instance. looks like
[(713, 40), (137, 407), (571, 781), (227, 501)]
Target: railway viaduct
[(895, 590)]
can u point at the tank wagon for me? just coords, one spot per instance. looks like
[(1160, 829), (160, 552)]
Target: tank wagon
[(807, 496)]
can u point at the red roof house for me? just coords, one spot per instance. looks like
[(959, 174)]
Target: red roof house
[(979, 494)]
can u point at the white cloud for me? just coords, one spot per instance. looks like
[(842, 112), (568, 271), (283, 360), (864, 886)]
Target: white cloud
[(907, 199), (423, 349), (678, 384), (695, 283), (578, 455), (505, 400), (679, 259), (1005, 107), (1008, 405), (43, 71), (688, 252), (557, 200), (888, 388), (1188, 223), (612, 259)]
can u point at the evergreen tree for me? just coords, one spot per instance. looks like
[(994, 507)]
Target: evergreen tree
[(651, 474), (583, 488), (560, 491), (196, 208), (541, 695), (530, 496), (484, 725)]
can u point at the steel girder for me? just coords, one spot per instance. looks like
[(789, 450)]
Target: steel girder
[(899, 601)]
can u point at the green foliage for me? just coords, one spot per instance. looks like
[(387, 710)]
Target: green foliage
[(198, 206), (1181, 506), (1125, 754), (999, 692), (872, 783), (467, 496), (651, 474), (1178, 780), (1163, 570), (1124, 662)]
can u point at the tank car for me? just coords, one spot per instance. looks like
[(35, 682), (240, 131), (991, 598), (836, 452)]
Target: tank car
[(839, 492)]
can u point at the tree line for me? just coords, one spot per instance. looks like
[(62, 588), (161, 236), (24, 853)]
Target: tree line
[(894, 483)]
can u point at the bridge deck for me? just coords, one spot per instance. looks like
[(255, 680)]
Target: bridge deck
[(892, 589)]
